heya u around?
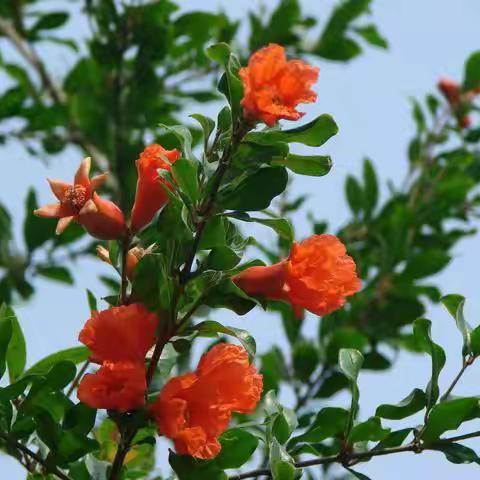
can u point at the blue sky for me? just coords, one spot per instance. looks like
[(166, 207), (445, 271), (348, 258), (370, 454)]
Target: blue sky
[(369, 100)]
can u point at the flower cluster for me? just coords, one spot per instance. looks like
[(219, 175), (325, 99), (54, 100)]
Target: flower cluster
[(317, 276), (194, 409), (118, 339)]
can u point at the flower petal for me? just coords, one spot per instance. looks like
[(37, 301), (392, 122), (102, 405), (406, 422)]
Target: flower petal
[(59, 187), (99, 180), (62, 224), (81, 177), (52, 210)]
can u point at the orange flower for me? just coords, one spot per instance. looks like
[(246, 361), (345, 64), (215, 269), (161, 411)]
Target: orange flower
[(116, 386), (450, 89), (194, 409), (79, 202), (317, 276), (123, 333), (273, 86), (150, 196)]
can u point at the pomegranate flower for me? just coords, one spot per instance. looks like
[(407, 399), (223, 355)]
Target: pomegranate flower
[(151, 196), (273, 86), (317, 276), (124, 333), (79, 202), (116, 386), (194, 409)]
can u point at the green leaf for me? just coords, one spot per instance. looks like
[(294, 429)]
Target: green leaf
[(280, 225), (457, 453), (370, 192), (426, 263), (17, 350), (36, 230), (222, 258), (207, 124), (114, 253), (228, 295), (421, 331), (313, 134), (415, 402), (281, 421), (230, 84), (238, 446), (59, 274), (454, 304), (448, 416), (184, 136), (371, 430), (92, 301), (330, 422), (210, 327), (358, 475), (50, 21), (189, 468), (281, 463), (350, 361), (371, 35), (313, 165), (355, 195), (184, 172), (214, 234), (257, 191), (394, 439), (75, 355), (472, 72), (475, 340), (6, 330)]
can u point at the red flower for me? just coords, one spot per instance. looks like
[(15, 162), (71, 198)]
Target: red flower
[(273, 86), (134, 255), (194, 409), (118, 334), (78, 202), (317, 276), (150, 196), (116, 386)]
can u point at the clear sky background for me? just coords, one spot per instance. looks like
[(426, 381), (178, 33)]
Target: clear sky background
[(369, 100)]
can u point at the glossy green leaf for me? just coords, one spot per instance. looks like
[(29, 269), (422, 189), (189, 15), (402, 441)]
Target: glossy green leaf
[(50, 21), (426, 263), (238, 446), (210, 327), (313, 134), (214, 234), (454, 305), (360, 476), (475, 340), (36, 230), (281, 463), (457, 453), (75, 355), (184, 172), (189, 468), (207, 124), (330, 422), (421, 330), (257, 191), (312, 165), (370, 192), (350, 361), (448, 416), (355, 195), (415, 402), (370, 430), (280, 225), (371, 35)]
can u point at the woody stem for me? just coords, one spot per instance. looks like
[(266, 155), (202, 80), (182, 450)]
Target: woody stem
[(207, 207), (125, 244)]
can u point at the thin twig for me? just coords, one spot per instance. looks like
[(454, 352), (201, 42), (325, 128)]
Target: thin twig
[(26, 451), (358, 456), (466, 363), (57, 95)]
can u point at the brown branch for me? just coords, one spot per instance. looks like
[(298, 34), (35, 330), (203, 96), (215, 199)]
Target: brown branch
[(56, 93), (77, 378), (34, 456)]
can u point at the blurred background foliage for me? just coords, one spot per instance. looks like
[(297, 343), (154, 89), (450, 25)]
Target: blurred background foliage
[(143, 65)]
